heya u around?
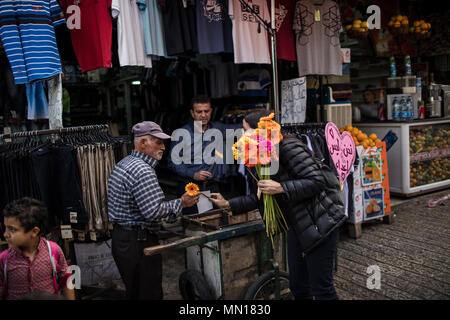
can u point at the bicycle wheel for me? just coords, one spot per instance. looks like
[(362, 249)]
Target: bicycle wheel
[(193, 286), (264, 287)]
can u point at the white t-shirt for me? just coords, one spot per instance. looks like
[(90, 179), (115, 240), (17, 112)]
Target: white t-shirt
[(130, 34), (249, 45)]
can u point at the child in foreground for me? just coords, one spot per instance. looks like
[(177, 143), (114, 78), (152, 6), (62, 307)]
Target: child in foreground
[(31, 263)]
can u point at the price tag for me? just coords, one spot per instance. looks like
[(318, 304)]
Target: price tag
[(81, 236), (73, 217), (317, 15), (93, 235), (66, 232)]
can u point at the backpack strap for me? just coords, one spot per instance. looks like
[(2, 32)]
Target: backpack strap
[(4, 261), (53, 253)]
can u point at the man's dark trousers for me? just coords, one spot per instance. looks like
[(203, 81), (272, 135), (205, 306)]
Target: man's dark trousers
[(142, 275)]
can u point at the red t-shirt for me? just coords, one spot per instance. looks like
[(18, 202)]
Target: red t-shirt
[(92, 42), (284, 11)]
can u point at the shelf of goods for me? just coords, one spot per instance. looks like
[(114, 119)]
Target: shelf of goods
[(419, 161)]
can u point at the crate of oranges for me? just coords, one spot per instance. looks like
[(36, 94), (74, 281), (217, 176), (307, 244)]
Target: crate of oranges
[(360, 138), (357, 29), (399, 25), (420, 29)]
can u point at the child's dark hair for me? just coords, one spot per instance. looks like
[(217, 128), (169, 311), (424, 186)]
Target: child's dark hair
[(30, 213)]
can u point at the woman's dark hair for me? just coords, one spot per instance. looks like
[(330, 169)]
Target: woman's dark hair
[(253, 117), (30, 213)]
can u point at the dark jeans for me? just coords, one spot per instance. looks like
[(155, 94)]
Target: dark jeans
[(67, 182), (311, 277), (142, 275)]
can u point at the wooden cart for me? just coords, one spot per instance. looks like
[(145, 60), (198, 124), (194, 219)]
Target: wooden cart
[(229, 257)]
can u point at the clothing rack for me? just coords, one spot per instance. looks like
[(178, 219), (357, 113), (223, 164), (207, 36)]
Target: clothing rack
[(306, 125), (35, 133)]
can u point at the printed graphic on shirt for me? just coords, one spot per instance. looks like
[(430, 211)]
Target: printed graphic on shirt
[(214, 10), (331, 21), (303, 21), (249, 11), (280, 13)]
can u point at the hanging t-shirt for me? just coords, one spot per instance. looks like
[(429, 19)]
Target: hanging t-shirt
[(152, 22), (317, 38), (28, 36), (250, 46), (180, 25), (130, 34), (92, 41), (214, 28), (284, 13), (253, 83)]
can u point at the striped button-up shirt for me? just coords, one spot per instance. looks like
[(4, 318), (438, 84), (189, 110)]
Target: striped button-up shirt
[(135, 197)]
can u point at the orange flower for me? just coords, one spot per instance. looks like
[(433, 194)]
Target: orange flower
[(272, 129), (192, 189)]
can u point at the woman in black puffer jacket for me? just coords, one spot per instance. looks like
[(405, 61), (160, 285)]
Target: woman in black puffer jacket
[(313, 209)]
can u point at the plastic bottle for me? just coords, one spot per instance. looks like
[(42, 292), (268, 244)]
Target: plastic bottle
[(393, 68), (409, 104), (395, 109), (403, 109), (408, 65)]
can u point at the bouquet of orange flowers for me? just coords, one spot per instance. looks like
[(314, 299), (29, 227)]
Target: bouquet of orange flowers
[(257, 149)]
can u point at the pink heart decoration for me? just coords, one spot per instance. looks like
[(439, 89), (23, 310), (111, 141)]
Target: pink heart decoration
[(342, 150)]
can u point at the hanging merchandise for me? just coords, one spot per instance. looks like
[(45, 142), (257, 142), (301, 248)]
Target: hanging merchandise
[(55, 102), (37, 101), (70, 175), (250, 39), (92, 40), (317, 28), (284, 11), (130, 34), (254, 83), (152, 22), (214, 27), (180, 26), (28, 35)]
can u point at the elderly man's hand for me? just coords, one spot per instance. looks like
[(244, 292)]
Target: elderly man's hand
[(189, 201), (270, 187)]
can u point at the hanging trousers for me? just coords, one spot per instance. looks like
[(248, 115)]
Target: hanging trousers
[(142, 275), (311, 277)]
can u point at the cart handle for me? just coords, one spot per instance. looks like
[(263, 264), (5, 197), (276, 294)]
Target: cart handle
[(186, 242)]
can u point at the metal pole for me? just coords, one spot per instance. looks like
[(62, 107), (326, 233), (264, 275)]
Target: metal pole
[(273, 36)]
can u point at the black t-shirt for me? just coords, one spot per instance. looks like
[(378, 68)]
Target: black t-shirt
[(180, 25)]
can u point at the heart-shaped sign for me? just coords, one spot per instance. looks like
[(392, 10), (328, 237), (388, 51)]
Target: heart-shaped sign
[(342, 150)]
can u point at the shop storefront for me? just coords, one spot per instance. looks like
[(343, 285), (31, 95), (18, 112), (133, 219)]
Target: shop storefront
[(111, 64)]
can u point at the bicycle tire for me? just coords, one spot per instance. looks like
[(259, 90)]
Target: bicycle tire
[(193, 286), (264, 280)]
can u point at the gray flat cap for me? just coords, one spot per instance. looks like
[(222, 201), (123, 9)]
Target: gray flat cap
[(149, 128)]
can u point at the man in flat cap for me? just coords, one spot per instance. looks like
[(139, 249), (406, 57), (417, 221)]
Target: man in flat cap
[(137, 206)]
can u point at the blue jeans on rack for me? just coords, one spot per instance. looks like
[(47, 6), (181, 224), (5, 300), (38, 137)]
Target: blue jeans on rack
[(311, 277)]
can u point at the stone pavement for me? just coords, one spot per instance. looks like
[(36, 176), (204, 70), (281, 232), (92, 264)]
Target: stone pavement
[(412, 253)]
